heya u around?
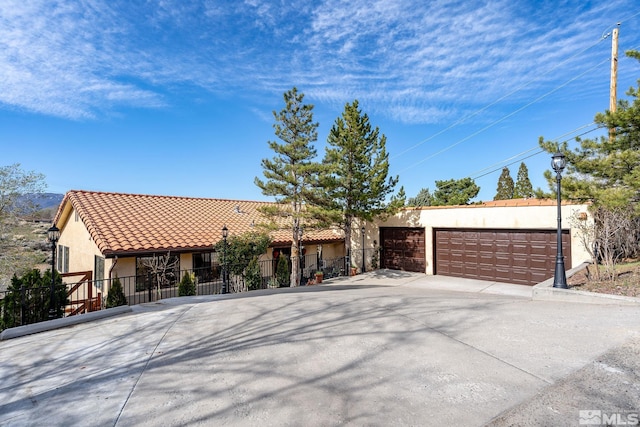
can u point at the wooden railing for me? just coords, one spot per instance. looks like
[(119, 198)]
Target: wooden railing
[(79, 301)]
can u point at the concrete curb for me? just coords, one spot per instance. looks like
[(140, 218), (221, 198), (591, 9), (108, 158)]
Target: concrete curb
[(34, 328), (544, 291)]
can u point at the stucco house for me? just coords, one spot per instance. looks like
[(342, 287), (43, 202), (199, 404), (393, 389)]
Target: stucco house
[(512, 241), (104, 235)]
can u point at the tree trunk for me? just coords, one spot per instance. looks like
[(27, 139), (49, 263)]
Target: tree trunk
[(347, 240), (295, 259)]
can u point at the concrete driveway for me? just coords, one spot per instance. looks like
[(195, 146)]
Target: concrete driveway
[(385, 348)]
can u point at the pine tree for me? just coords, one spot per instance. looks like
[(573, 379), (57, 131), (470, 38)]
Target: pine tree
[(454, 192), (505, 186), (523, 188), (423, 198), (116, 296), (291, 176), (357, 181)]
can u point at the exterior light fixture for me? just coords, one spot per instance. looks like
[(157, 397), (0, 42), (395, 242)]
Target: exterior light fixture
[(558, 162), (363, 264), (53, 235)]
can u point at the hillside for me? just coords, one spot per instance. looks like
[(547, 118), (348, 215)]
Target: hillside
[(23, 240)]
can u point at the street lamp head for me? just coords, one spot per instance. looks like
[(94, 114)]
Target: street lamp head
[(53, 234), (225, 231), (558, 162)]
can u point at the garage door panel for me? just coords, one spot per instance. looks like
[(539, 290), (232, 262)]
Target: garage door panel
[(520, 275), (520, 263), (404, 248), (503, 260), (512, 256)]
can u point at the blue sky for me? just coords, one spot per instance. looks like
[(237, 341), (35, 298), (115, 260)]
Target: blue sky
[(176, 97)]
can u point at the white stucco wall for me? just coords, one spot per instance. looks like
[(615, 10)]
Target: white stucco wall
[(477, 216)]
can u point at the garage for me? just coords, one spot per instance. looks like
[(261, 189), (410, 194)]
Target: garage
[(524, 257), (403, 248)]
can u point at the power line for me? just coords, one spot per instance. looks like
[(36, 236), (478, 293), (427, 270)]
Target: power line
[(522, 86), (537, 150), (504, 117), (517, 156), (540, 151)]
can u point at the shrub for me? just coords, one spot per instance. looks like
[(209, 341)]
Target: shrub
[(282, 271), (253, 277), (32, 305), (187, 286), (116, 296)]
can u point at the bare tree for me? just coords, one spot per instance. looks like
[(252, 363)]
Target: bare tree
[(161, 267), (586, 231), (612, 227), (608, 238)]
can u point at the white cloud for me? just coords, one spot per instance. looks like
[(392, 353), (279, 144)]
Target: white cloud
[(413, 61)]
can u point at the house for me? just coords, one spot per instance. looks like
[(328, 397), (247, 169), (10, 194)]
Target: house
[(512, 241), (104, 235)]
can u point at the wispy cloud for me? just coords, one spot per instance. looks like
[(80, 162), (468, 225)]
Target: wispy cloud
[(415, 62)]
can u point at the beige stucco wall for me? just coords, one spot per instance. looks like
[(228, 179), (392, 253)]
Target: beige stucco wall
[(496, 217), (82, 248), (82, 253)]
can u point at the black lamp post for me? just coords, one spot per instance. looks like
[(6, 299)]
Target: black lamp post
[(558, 162), (53, 234), (300, 255), (225, 285), (363, 264)]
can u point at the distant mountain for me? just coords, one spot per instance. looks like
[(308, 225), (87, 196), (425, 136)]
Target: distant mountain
[(41, 200), (37, 206)]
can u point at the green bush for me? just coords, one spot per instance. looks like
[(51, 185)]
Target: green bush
[(116, 296), (253, 277), (187, 286), (282, 272), (34, 306)]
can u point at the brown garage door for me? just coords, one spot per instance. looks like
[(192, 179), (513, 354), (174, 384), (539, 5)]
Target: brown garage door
[(403, 248), (513, 256)]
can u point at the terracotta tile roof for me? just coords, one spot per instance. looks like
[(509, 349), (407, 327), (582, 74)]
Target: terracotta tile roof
[(135, 223), (501, 203)]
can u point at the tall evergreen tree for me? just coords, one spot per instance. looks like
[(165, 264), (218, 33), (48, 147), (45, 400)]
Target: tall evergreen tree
[(523, 188), (357, 180), (505, 186), (291, 176), (454, 192), (423, 198)]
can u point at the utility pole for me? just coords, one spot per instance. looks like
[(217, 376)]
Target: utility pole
[(613, 88)]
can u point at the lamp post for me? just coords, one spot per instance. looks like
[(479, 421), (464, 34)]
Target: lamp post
[(300, 255), (53, 234), (362, 229), (225, 285), (558, 162)]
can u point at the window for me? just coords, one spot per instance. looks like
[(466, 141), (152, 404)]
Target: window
[(98, 271), (148, 268), (63, 259), (203, 266)]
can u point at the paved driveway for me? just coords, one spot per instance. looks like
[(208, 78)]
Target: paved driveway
[(378, 349)]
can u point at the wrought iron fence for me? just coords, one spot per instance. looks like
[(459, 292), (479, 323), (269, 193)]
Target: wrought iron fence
[(30, 305)]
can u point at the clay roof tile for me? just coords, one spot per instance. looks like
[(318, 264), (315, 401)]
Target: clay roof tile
[(121, 222)]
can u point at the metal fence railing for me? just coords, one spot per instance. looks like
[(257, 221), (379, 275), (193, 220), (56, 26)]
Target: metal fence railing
[(31, 305)]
